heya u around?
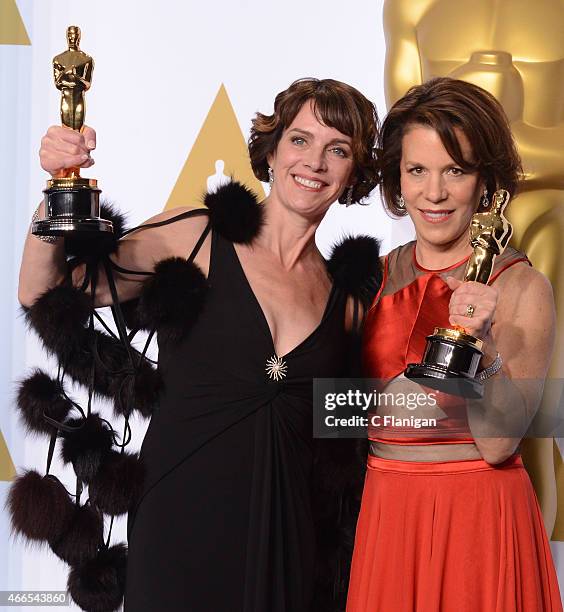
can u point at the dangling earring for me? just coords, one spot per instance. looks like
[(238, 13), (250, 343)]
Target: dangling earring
[(484, 202), (400, 201), (348, 201), (270, 175)]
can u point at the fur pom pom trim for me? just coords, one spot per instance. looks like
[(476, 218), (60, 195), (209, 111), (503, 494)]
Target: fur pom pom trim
[(235, 212), (355, 266), (78, 356), (97, 244), (113, 374), (147, 387), (82, 536), (130, 313), (172, 298), (136, 390), (87, 445), (109, 211), (39, 506), (118, 483), (40, 395), (59, 317), (98, 585)]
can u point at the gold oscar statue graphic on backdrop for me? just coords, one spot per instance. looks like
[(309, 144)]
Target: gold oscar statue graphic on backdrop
[(515, 50), (12, 32), (12, 28), (220, 139)]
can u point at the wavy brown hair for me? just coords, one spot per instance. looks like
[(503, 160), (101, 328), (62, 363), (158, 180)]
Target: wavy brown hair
[(336, 105), (445, 104)]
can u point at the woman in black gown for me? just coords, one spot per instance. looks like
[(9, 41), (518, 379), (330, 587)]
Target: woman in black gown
[(225, 519)]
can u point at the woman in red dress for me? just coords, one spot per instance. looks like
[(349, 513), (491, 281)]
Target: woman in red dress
[(449, 519)]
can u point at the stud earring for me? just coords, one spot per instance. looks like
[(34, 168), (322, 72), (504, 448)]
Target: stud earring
[(484, 202), (400, 201), (270, 175)]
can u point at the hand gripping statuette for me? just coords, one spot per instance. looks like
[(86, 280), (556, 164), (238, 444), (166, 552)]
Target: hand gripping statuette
[(452, 357), (72, 203)]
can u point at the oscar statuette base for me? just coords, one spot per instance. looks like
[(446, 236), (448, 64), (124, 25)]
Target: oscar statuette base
[(72, 206), (450, 363)]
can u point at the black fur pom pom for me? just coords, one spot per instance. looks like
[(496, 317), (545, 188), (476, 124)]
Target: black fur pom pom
[(39, 506), (87, 445), (136, 391), (147, 387), (130, 313), (172, 298), (59, 317), (111, 358), (235, 212), (114, 377), (96, 244), (118, 483), (40, 395), (355, 266), (82, 536), (98, 585), (109, 211)]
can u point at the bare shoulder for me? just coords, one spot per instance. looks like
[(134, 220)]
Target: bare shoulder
[(175, 226), (142, 248), (525, 317), (522, 285)]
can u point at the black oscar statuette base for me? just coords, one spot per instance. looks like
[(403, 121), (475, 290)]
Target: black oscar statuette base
[(72, 207), (450, 363)]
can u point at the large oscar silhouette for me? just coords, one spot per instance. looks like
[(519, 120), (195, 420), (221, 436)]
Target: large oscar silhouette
[(515, 50)]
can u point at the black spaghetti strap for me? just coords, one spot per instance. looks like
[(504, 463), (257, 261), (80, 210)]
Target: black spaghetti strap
[(119, 268), (195, 212), (199, 244), (50, 453), (190, 213)]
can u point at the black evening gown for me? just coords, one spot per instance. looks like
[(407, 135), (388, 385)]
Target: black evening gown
[(225, 521)]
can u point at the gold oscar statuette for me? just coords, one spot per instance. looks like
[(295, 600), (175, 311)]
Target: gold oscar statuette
[(452, 357), (72, 203)]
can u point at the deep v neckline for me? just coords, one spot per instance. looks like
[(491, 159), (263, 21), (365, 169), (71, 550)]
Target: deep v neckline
[(264, 320)]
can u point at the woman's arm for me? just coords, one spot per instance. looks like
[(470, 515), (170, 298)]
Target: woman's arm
[(521, 330), (44, 265)]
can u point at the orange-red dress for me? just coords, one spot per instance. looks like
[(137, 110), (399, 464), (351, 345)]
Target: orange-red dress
[(441, 536)]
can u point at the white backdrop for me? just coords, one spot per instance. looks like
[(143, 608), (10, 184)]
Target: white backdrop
[(159, 66)]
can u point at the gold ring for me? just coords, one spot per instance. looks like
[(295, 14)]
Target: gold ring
[(470, 310)]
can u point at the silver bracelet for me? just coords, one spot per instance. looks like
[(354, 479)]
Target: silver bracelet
[(492, 369), (49, 239)]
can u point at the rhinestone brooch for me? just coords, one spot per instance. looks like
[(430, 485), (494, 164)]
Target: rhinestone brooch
[(276, 368)]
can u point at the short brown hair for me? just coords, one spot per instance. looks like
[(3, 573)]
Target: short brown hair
[(336, 105), (445, 104)]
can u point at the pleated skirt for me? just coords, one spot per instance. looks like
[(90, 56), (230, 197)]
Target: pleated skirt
[(456, 536)]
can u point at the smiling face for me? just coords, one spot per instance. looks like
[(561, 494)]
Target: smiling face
[(312, 165), (440, 197)]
